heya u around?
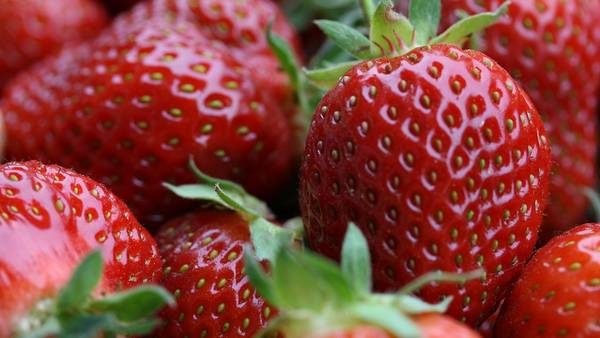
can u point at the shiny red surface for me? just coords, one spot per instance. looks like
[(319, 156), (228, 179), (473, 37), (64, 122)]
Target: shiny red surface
[(50, 217), (203, 255), (558, 293), (32, 29), (551, 47), (432, 183), (131, 107)]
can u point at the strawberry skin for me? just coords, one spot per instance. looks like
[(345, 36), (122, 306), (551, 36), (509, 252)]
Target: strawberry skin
[(50, 218), (203, 267), (547, 45), (557, 295), (144, 98), (441, 160), (32, 29)]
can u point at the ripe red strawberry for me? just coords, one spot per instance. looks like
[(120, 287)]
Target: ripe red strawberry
[(442, 160), (547, 45), (241, 26), (50, 218), (32, 29), (318, 299), (557, 295), (131, 107)]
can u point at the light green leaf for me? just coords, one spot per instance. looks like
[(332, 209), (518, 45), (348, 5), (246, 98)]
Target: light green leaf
[(212, 181), (347, 38), (414, 305), (286, 57), (440, 276), (84, 280), (51, 327), (201, 192), (356, 259), (461, 30), (268, 238), (387, 317), (134, 304), (259, 279), (327, 78), (391, 33), (425, 17), (84, 325), (368, 9)]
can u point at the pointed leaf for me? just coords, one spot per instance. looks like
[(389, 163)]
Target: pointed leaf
[(134, 304), (212, 181), (201, 192), (461, 30), (387, 317), (414, 305), (138, 328), (440, 276), (425, 17), (368, 9), (356, 260), (327, 78), (259, 279), (268, 238), (84, 325), (347, 38), (391, 33), (286, 57), (84, 280)]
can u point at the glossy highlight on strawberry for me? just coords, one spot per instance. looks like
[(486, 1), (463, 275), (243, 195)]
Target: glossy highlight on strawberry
[(443, 162), (50, 218)]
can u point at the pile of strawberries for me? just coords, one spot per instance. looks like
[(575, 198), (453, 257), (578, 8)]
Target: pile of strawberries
[(442, 165)]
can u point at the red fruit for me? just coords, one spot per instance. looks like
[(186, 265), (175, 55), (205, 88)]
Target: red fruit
[(442, 161), (32, 29), (203, 256), (143, 98), (557, 295), (50, 218), (241, 26), (547, 45), (486, 329)]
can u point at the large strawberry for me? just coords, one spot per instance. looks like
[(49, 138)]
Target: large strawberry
[(319, 300), (130, 107), (557, 295), (51, 218), (438, 155), (548, 46), (32, 29), (204, 265)]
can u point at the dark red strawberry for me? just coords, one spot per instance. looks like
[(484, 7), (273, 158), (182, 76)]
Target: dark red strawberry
[(32, 29), (557, 295), (548, 46), (442, 160), (131, 107), (51, 218), (241, 26)]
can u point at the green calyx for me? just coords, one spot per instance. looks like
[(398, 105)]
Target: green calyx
[(393, 34), (76, 313), (316, 296), (266, 236)]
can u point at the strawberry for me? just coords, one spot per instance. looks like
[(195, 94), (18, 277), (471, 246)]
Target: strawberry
[(241, 26), (204, 266), (438, 155), (32, 29), (547, 45), (143, 98), (557, 295), (50, 218), (318, 299)]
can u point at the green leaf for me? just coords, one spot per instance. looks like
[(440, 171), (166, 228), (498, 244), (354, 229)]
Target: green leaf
[(268, 238), (594, 200), (51, 327), (391, 33), (368, 9), (134, 304), (440, 276), (201, 192), (347, 38), (259, 279), (356, 260), (235, 204), (414, 305), (84, 325), (387, 317), (138, 328), (212, 181), (84, 280), (286, 57), (458, 32), (425, 17), (327, 78)]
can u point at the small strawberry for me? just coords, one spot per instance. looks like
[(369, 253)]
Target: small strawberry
[(548, 46), (204, 267), (143, 97), (437, 154), (32, 29), (557, 295), (317, 299), (51, 218)]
